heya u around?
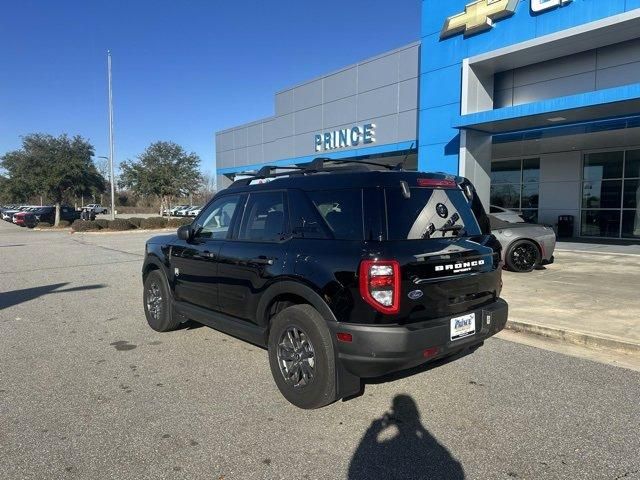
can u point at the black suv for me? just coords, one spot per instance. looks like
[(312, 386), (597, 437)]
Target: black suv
[(343, 271)]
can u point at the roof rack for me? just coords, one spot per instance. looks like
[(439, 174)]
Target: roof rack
[(315, 166)]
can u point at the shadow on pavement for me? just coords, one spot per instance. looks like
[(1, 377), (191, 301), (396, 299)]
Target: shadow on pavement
[(397, 446), (16, 297)]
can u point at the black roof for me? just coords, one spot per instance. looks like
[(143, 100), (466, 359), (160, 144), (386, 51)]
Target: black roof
[(325, 173)]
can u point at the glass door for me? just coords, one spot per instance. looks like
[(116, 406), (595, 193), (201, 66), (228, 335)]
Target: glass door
[(611, 194)]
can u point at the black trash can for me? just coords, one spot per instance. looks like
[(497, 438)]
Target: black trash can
[(565, 226)]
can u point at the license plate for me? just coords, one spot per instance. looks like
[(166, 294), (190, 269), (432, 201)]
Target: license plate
[(464, 326)]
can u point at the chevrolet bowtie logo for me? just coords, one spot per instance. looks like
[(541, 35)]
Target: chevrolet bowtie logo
[(478, 16)]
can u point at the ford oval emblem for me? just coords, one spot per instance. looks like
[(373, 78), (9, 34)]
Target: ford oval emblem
[(415, 294)]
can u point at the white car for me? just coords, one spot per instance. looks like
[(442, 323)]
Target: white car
[(173, 211), (182, 212), (505, 214), (193, 212), (95, 208)]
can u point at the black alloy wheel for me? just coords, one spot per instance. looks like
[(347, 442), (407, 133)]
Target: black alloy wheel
[(157, 303), (302, 357), (523, 256)]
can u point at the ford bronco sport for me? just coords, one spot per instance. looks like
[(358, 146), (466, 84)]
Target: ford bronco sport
[(342, 270)]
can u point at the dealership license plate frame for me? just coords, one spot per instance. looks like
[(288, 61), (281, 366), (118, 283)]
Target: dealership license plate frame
[(464, 331)]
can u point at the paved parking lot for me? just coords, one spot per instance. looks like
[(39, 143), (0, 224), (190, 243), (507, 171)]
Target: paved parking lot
[(87, 390)]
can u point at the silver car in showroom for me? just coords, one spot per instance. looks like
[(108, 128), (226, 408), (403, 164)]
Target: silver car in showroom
[(525, 246)]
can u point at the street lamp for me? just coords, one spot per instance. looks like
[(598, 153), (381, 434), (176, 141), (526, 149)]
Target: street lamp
[(111, 151)]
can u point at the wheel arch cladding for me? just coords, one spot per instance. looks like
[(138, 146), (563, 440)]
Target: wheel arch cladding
[(295, 293)]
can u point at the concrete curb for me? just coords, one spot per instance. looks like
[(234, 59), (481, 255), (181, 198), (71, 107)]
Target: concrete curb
[(577, 338)]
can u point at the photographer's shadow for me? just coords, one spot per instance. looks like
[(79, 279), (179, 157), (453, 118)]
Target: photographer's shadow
[(397, 446)]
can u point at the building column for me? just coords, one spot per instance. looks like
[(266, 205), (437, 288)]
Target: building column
[(475, 162)]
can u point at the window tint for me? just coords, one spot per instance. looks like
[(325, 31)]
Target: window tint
[(341, 210), (216, 219), (429, 213), (264, 219), (306, 221)]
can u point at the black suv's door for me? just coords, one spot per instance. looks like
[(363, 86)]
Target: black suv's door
[(195, 263), (257, 254)]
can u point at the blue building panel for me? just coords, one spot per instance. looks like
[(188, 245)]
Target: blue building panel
[(442, 64)]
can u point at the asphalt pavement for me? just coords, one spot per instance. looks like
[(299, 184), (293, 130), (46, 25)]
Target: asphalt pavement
[(88, 391)]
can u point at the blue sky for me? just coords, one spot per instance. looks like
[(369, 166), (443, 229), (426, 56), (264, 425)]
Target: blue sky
[(182, 69)]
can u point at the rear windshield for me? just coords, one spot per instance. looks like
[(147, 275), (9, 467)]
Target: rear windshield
[(429, 213)]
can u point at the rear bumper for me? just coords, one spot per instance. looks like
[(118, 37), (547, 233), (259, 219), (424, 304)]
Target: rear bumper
[(378, 350)]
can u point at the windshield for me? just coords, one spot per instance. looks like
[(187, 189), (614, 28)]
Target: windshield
[(429, 213)]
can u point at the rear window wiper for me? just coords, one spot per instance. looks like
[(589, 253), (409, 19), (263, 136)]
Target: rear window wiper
[(459, 229)]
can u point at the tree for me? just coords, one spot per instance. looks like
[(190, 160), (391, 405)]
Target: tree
[(56, 167), (164, 170), (207, 187)]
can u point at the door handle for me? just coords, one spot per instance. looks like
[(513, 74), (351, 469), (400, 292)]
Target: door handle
[(262, 260)]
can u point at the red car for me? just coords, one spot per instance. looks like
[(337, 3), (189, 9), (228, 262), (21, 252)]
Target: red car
[(25, 219)]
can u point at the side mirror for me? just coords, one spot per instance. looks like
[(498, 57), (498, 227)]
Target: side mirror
[(185, 232)]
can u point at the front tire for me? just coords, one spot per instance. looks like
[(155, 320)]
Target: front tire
[(157, 303), (523, 256), (302, 357)]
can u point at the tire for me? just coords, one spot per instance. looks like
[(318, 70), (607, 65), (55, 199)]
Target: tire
[(523, 256), (312, 357), (156, 293)]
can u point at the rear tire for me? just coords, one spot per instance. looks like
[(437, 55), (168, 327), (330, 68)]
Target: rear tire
[(302, 357), (523, 256), (157, 303)]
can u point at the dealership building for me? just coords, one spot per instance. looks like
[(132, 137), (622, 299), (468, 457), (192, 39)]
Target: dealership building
[(537, 102)]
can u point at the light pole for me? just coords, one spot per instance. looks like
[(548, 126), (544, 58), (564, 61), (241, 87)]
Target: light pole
[(113, 191)]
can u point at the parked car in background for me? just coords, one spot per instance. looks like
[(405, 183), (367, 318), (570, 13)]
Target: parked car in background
[(172, 211), (48, 214), (505, 214), (525, 246), (7, 215), (25, 219), (183, 211), (96, 208), (195, 211)]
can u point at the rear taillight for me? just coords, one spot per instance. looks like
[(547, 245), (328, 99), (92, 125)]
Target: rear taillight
[(380, 284)]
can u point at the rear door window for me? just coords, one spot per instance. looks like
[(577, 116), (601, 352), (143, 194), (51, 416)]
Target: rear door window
[(429, 213), (341, 210), (264, 218)]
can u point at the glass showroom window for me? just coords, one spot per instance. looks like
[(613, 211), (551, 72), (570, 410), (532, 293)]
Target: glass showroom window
[(611, 194), (515, 184)]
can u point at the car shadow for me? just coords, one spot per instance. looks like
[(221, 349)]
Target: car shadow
[(16, 297), (397, 446)]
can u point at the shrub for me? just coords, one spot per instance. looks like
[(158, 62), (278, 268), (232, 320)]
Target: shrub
[(119, 224), (84, 226), (176, 222), (136, 221), (44, 225), (102, 222), (154, 222), (64, 224)]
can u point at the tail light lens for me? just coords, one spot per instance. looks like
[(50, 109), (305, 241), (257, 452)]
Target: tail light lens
[(380, 285), (437, 183)]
